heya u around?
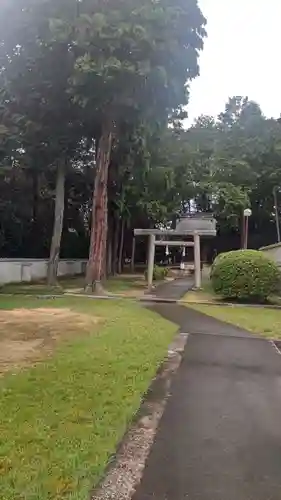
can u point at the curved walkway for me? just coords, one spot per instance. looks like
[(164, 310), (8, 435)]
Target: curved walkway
[(220, 436), (174, 289)]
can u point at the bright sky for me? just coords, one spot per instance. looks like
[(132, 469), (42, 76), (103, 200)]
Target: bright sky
[(242, 56)]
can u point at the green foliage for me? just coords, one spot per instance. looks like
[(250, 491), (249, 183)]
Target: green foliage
[(155, 173), (245, 275), (72, 71), (71, 68), (159, 273), (240, 111)]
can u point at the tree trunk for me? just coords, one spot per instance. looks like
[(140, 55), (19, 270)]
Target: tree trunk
[(115, 244), (97, 252), (121, 248), (35, 190), (35, 242), (109, 255), (58, 226), (133, 255)]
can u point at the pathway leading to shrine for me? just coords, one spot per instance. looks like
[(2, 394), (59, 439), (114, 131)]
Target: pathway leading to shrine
[(220, 436)]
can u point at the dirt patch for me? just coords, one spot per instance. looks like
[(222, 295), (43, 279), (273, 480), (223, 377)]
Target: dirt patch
[(29, 335)]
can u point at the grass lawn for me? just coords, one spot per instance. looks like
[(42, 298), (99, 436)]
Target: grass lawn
[(123, 284), (62, 416), (205, 294), (126, 284), (261, 321)]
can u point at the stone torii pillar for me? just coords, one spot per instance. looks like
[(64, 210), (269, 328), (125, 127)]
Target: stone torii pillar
[(197, 260), (151, 256), (150, 261)]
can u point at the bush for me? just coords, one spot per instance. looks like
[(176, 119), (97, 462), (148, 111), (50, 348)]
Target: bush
[(245, 275), (159, 273)]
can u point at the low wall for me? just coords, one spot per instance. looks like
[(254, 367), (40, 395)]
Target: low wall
[(26, 270), (274, 252)]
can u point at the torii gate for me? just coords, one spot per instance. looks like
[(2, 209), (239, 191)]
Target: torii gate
[(153, 242)]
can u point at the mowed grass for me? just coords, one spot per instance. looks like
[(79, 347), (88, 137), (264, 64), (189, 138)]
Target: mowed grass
[(205, 294), (61, 420), (116, 284), (259, 320)]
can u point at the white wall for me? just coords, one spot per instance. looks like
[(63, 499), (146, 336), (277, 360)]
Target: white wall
[(274, 252), (26, 270)]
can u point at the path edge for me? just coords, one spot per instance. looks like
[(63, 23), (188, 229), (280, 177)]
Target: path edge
[(124, 470)]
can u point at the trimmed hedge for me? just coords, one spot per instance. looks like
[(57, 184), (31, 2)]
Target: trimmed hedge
[(245, 275)]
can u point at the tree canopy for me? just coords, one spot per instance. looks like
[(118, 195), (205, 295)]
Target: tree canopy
[(93, 97)]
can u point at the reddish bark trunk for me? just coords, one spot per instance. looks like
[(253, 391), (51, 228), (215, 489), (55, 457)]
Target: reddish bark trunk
[(109, 255), (121, 248), (115, 244), (97, 254)]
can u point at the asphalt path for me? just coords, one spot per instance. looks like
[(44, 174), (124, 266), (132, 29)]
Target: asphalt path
[(174, 289), (220, 436)]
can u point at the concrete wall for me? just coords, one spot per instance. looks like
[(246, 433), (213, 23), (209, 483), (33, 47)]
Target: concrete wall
[(26, 270), (274, 252)]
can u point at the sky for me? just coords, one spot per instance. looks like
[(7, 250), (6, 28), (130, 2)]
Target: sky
[(242, 56)]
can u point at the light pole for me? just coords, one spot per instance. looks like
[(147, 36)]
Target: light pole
[(247, 214)]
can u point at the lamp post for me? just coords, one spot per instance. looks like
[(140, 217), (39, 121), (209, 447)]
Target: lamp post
[(247, 214)]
